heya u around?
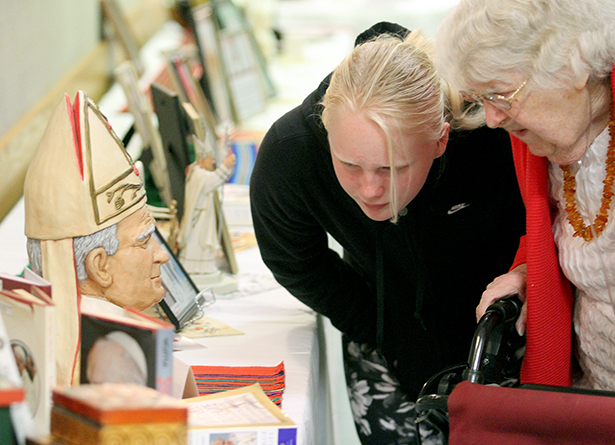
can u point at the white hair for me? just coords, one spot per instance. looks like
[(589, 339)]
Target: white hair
[(82, 246), (556, 42)]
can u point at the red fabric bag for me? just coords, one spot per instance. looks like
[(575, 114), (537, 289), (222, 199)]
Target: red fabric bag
[(480, 414)]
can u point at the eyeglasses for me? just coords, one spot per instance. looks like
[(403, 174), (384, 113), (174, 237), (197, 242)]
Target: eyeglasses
[(497, 100)]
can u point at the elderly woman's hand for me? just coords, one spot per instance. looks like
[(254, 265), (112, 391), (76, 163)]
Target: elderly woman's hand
[(514, 282)]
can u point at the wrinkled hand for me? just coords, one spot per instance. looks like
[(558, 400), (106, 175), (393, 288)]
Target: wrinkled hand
[(514, 282)]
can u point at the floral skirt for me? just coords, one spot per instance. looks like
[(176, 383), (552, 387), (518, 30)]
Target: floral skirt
[(382, 412)]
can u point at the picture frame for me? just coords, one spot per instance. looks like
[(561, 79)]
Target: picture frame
[(247, 82), (112, 14), (176, 128), (140, 106), (206, 37), (182, 301), (229, 15), (175, 131), (182, 68)]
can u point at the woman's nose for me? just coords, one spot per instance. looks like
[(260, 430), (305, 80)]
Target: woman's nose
[(372, 185), (494, 116)]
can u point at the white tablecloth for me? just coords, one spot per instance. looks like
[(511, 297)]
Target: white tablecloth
[(277, 328)]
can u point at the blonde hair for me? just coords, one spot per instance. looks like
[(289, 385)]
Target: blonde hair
[(393, 83)]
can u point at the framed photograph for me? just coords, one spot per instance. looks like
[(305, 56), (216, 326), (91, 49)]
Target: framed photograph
[(183, 70), (175, 132), (205, 35), (112, 14), (246, 83), (140, 106), (182, 301)]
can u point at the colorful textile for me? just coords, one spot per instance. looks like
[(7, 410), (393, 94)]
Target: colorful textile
[(212, 379)]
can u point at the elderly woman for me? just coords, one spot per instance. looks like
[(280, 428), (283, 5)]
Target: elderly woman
[(541, 69)]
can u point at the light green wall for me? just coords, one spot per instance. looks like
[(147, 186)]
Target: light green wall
[(40, 40)]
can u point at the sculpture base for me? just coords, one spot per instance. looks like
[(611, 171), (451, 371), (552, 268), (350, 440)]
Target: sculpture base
[(219, 282)]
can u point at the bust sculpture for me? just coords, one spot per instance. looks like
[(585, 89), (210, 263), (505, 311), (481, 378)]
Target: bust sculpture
[(89, 230)]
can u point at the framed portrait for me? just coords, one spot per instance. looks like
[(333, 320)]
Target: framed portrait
[(182, 301), (247, 80), (114, 16), (140, 106), (206, 38), (184, 70)]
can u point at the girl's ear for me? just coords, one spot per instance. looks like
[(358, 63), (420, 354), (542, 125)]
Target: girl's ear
[(441, 144)]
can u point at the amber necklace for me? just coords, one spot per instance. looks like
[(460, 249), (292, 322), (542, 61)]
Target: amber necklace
[(570, 184)]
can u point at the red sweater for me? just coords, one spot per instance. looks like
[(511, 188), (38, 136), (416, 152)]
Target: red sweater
[(549, 294)]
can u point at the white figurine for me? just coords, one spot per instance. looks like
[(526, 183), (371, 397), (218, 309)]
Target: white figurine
[(198, 238)]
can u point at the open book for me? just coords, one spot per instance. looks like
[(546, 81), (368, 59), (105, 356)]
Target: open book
[(28, 281), (244, 416), (29, 319)]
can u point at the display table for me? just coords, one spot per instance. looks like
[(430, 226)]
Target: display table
[(277, 328)]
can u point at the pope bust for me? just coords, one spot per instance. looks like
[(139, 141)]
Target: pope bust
[(89, 230), (119, 264)]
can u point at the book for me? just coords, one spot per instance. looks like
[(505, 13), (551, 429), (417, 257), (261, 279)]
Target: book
[(9, 394), (19, 412), (240, 416), (29, 318), (117, 413), (28, 281), (127, 347)]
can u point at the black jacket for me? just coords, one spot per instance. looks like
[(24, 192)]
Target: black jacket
[(460, 232)]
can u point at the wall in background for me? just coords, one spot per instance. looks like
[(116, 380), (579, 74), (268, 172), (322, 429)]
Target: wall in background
[(48, 48), (40, 41)]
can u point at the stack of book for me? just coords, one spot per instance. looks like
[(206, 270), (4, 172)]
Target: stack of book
[(117, 413)]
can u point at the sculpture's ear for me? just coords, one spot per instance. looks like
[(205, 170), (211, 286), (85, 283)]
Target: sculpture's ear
[(96, 267)]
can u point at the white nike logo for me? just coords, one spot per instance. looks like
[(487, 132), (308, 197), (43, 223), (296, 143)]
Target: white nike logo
[(457, 208)]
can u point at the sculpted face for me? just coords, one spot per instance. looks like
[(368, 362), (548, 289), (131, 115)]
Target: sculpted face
[(130, 277), (135, 267)]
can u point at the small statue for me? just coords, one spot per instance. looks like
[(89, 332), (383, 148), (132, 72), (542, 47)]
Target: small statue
[(198, 237)]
